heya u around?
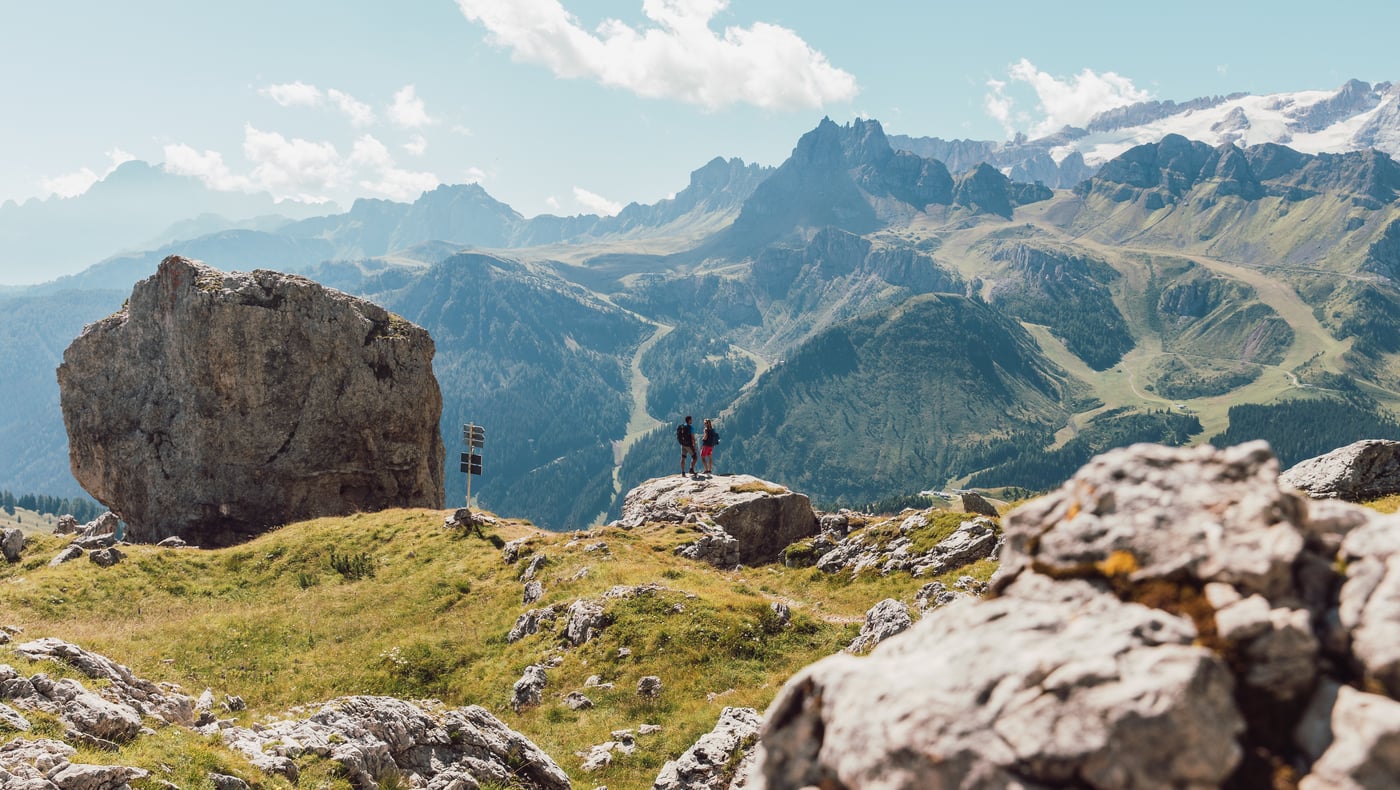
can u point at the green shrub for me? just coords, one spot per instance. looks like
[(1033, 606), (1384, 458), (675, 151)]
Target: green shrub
[(353, 566)]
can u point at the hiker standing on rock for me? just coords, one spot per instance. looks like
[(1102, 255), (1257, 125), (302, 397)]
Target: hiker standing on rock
[(708, 440), (685, 436)]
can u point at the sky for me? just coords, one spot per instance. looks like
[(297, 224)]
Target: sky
[(565, 107)]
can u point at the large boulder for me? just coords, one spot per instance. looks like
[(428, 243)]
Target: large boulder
[(1169, 617), (763, 517), (1362, 470), (215, 406)]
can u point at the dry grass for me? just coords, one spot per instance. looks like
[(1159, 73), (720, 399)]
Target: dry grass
[(273, 622)]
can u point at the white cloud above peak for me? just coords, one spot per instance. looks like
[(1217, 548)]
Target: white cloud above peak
[(80, 180), (1060, 102), (679, 56), (408, 111), (595, 203)]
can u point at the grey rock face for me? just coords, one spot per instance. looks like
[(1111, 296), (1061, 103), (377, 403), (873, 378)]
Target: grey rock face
[(67, 553), (707, 764), (66, 525), (974, 502), (531, 623), (884, 620), (714, 546), (215, 406), (141, 695), (526, 691), (1362, 470), (577, 700), (1116, 696), (649, 686), (1365, 751), (371, 735), (1168, 618), (533, 592), (11, 544), (106, 558), (11, 719), (586, 619), (763, 517)]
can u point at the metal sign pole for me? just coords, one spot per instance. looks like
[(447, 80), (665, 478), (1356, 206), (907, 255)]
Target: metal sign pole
[(474, 437)]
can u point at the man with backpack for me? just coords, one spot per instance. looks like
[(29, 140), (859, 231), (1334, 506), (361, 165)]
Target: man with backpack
[(685, 436)]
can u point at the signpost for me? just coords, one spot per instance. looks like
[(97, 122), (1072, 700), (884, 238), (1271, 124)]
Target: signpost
[(474, 437)]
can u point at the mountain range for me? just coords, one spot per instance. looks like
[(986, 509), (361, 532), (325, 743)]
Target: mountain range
[(863, 320)]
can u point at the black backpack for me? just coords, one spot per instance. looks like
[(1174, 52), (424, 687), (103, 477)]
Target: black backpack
[(684, 435)]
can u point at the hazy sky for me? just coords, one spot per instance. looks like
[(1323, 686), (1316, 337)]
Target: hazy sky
[(563, 106)]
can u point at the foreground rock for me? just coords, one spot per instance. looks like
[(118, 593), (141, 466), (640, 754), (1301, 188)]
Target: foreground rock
[(215, 406), (761, 517), (713, 762), (1167, 618), (373, 736), (1368, 469)]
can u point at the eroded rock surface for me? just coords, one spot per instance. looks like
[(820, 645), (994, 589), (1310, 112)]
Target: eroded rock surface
[(458, 747), (710, 764), (1168, 618), (1362, 470), (215, 406), (762, 517)]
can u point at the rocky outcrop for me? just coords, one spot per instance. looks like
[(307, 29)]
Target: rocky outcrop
[(1168, 618), (973, 539), (369, 736), (526, 691), (215, 406), (710, 763), (11, 544), (884, 620), (1367, 469), (146, 698), (763, 517)]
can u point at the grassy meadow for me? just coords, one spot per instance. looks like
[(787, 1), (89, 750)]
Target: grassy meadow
[(420, 611)]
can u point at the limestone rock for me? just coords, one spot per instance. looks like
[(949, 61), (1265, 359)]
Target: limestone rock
[(76, 776), (526, 691), (709, 763), (106, 558), (11, 544), (226, 782), (1366, 749), (532, 567), (763, 517), (649, 686), (1362, 470), (215, 406), (1115, 696), (1152, 512), (371, 735), (884, 620), (577, 700), (66, 525), (1369, 605), (68, 553), (586, 619), (715, 546), (11, 719), (531, 623), (973, 502), (173, 542), (533, 592), (142, 695)]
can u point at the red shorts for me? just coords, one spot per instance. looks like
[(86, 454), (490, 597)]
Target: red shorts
[(707, 451)]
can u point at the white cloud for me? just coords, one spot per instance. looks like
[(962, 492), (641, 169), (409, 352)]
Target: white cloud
[(408, 110), (678, 56), (595, 203), (81, 180), (417, 145), (295, 168), (1060, 102), (552, 202), (384, 177), (207, 166), (304, 170), (474, 175), (69, 184), (293, 94), (359, 113)]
